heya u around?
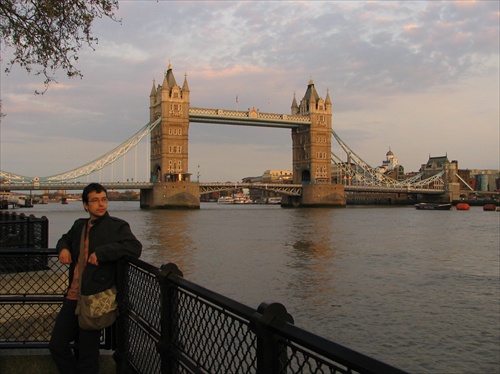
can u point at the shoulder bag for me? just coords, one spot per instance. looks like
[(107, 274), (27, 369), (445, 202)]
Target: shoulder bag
[(97, 311)]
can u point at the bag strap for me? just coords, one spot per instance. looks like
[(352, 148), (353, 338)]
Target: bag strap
[(81, 257)]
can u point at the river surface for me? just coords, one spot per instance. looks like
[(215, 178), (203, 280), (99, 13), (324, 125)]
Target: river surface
[(419, 290)]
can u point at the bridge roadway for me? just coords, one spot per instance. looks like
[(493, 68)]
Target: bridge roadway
[(280, 188), (247, 118)]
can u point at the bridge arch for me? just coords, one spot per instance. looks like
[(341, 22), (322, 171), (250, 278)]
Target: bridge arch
[(306, 176)]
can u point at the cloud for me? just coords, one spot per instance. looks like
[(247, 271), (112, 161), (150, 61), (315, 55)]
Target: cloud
[(410, 75)]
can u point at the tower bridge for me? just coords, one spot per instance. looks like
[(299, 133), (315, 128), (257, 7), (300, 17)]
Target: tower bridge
[(320, 177)]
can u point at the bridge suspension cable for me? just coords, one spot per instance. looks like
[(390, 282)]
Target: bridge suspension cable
[(93, 166), (107, 159), (354, 171), (359, 170), (6, 176)]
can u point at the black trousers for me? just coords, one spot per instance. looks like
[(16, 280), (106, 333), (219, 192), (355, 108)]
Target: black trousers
[(66, 330)]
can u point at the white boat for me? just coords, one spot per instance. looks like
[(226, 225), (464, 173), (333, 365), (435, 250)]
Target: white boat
[(243, 199), (225, 200), (274, 200), (20, 201)]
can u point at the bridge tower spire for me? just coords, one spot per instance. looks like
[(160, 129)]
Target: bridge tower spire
[(169, 147), (312, 144), (169, 141), (312, 149)]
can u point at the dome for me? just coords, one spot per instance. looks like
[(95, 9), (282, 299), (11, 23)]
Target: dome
[(389, 153)]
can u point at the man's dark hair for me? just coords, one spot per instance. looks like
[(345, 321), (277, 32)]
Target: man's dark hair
[(92, 187)]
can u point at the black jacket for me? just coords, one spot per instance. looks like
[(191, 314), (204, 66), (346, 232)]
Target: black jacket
[(111, 239)]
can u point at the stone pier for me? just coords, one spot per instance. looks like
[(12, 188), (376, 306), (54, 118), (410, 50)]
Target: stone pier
[(171, 195), (318, 195)]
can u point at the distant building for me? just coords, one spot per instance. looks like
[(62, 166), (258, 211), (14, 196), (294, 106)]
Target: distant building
[(389, 163), (466, 181), (277, 176), (435, 165), (485, 180), (252, 179), (391, 167), (269, 176)]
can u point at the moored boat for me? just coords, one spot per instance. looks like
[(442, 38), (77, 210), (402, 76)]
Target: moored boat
[(274, 200), (242, 200), (432, 206), (463, 206), (20, 201), (225, 200), (489, 207)]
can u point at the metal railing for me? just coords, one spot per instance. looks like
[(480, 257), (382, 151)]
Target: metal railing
[(22, 231), (168, 324), (31, 295)]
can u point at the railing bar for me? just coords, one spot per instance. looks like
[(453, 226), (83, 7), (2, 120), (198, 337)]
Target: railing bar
[(31, 299), (24, 252), (37, 345), (186, 361), (142, 323)]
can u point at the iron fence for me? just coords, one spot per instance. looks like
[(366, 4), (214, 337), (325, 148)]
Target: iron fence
[(21, 231), (168, 324), (31, 297), (32, 283)]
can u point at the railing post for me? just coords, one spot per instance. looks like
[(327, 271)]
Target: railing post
[(169, 318), (119, 337), (271, 354)]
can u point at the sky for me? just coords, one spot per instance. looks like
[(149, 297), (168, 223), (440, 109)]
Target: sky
[(419, 78)]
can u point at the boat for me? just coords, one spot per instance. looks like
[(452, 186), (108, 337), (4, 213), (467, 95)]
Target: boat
[(432, 206), (242, 200), (225, 200), (20, 201), (489, 207), (274, 200), (463, 206)]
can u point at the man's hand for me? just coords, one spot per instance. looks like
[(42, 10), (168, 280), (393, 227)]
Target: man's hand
[(65, 256), (93, 259)]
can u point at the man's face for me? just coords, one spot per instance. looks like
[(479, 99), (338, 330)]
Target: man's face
[(97, 205)]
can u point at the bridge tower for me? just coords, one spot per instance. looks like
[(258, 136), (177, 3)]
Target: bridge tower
[(172, 187), (312, 149)]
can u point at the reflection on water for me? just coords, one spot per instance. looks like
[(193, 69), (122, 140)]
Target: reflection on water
[(417, 289), (166, 239), (311, 255)]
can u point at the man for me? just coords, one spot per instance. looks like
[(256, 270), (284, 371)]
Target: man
[(107, 239)]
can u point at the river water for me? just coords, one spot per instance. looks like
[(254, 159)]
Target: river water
[(419, 290)]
